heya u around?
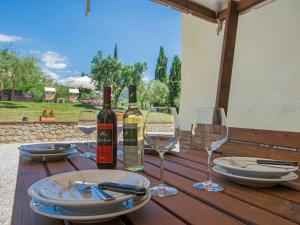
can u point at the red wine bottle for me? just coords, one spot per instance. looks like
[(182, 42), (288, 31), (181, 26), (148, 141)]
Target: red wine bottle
[(107, 134)]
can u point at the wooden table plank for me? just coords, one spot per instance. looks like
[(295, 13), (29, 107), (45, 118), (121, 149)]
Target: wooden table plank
[(191, 205), (252, 196), (28, 173), (133, 218), (153, 214), (190, 209), (232, 206), (278, 191)]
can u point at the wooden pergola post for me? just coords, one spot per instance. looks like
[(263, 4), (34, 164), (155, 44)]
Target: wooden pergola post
[(231, 17)]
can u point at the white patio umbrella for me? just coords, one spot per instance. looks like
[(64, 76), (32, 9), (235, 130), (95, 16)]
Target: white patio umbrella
[(80, 82)]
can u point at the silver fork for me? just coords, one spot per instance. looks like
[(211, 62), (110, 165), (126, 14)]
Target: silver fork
[(249, 164), (86, 188)]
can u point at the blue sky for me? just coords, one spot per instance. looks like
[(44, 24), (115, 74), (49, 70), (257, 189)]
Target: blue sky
[(58, 32)]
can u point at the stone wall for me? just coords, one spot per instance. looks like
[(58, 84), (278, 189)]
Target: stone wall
[(25, 132)]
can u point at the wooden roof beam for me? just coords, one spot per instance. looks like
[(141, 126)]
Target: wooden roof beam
[(242, 6), (190, 7)]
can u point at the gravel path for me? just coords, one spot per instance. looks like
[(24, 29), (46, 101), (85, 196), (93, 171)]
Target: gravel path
[(9, 158)]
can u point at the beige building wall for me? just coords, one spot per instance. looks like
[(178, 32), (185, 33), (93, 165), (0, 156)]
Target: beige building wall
[(265, 88)]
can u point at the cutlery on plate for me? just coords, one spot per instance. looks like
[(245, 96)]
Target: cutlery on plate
[(88, 187), (277, 162), (266, 163), (123, 188)]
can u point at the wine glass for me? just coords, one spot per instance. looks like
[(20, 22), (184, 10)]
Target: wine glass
[(161, 131), (87, 123), (210, 131)]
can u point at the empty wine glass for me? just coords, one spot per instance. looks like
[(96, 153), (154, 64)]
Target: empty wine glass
[(87, 123), (161, 131), (210, 131)]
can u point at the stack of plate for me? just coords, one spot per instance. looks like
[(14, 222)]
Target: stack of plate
[(47, 151), (246, 171), (58, 197)]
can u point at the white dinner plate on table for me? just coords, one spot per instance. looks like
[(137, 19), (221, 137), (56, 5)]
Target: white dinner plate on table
[(247, 166), (254, 181), (46, 148), (106, 213), (60, 189), (49, 157)]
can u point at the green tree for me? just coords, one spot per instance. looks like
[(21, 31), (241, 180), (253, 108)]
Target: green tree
[(158, 93), (143, 97), (21, 72), (161, 66), (175, 82), (116, 51), (109, 71)]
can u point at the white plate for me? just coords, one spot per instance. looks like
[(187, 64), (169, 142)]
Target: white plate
[(254, 181), (50, 157), (46, 148), (60, 190), (107, 214), (247, 166)]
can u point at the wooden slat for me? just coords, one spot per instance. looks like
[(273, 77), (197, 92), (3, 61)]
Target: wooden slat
[(258, 151), (225, 73), (185, 160), (229, 205), (138, 217), (250, 150), (153, 214), (288, 210), (187, 6), (28, 173), (189, 209), (278, 138)]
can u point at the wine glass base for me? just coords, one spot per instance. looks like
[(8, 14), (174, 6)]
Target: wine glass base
[(208, 186), (88, 155), (163, 190)]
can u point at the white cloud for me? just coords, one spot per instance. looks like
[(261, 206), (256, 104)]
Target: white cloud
[(9, 38), (51, 74), (54, 60)]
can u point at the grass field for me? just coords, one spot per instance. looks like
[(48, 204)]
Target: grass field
[(14, 111)]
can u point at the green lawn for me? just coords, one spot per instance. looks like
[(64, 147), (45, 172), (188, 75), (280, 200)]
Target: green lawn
[(14, 111)]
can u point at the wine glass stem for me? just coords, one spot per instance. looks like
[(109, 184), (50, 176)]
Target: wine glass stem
[(161, 156), (88, 143), (209, 166)]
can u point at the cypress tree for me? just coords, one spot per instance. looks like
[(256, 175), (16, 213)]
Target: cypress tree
[(116, 52), (161, 66), (175, 82)]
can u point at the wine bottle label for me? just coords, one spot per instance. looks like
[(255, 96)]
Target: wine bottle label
[(132, 146), (105, 143), (130, 134)]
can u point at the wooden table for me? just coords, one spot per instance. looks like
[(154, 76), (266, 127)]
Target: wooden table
[(236, 205)]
